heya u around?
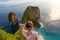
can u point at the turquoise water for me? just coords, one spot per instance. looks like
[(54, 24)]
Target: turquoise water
[(47, 36)]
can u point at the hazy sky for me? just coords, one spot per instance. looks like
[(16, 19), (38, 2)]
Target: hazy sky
[(14, 2)]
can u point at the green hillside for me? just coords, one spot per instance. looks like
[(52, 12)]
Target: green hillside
[(7, 36)]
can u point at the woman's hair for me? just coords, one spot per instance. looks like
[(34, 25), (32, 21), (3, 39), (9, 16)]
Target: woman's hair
[(28, 26)]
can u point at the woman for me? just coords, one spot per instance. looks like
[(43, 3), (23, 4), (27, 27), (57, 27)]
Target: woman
[(29, 33)]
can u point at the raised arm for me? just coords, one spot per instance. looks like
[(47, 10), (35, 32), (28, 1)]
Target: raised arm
[(36, 36), (22, 26)]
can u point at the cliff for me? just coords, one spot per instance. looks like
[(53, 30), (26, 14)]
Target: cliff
[(13, 19), (31, 14)]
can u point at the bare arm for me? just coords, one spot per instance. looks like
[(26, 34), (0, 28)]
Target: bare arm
[(22, 26), (36, 36)]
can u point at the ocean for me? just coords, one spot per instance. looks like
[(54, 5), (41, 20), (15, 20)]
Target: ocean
[(47, 36), (48, 31)]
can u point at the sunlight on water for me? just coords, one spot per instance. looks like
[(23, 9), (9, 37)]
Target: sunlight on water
[(55, 10), (53, 19)]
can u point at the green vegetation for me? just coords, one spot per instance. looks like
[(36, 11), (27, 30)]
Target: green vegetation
[(31, 14), (7, 36), (18, 35)]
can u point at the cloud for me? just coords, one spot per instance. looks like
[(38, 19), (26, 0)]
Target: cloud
[(11, 2), (15, 2)]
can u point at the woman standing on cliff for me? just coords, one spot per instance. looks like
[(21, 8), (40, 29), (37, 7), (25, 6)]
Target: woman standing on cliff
[(29, 33)]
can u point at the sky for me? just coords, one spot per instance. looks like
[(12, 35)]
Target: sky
[(14, 2)]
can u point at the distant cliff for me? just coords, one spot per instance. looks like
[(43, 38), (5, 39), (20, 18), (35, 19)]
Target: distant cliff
[(13, 19), (31, 14)]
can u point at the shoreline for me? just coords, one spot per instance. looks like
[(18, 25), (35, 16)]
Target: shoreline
[(40, 37)]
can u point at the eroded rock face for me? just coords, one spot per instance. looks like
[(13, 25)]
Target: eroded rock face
[(31, 13), (13, 19)]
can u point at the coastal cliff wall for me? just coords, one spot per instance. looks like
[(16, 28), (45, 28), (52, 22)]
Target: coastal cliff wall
[(31, 13)]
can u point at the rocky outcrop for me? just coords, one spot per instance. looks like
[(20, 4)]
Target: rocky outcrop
[(31, 14), (12, 18)]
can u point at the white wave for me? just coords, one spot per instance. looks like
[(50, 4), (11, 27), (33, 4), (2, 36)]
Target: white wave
[(41, 25)]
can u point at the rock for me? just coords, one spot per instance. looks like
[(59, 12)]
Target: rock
[(31, 14), (13, 19)]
